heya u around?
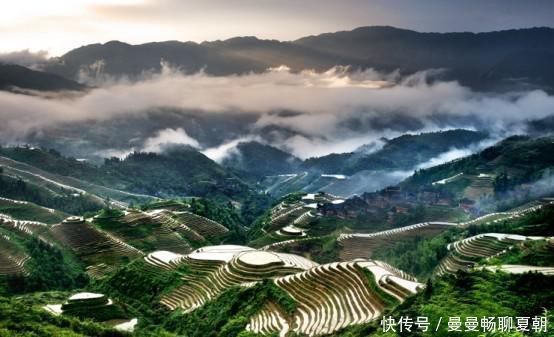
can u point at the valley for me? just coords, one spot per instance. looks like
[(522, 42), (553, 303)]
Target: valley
[(276, 168), (313, 264)]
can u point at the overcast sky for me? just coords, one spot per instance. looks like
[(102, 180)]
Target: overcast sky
[(60, 25)]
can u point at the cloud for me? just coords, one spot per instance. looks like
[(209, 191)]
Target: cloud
[(308, 113), (456, 153), (219, 153), (168, 137), (25, 58)]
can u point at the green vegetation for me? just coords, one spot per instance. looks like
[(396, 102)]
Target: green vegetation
[(141, 236), (139, 286), (321, 250), (403, 152), (224, 213), (180, 171), (66, 201), (535, 253), (48, 269), (99, 311), (19, 319), (481, 294), (31, 211), (254, 161), (538, 223), (388, 300), (228, 315), (416, 255), (419, 256), (515, 161), (477, 294)]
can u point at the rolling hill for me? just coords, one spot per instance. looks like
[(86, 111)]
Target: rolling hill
[(254, 160), (401, 153), (140, 177)]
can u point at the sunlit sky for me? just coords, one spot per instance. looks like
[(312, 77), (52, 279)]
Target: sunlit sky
[(60, 25)]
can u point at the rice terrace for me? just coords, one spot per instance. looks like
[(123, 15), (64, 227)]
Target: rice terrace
[(308, 168)]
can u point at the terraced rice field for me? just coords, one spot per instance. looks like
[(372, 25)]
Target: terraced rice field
[(465, 254), (329, 297), (12, 259), (216, 268), (24, 210), (336, 295), (284, 215), (270, 319), (521, 269), (202, 226), (362, 245), (92, 245), (280, 244), (481, 185), (502, 216), (150, 231), (291, 230), (164, 259), (22, 226)]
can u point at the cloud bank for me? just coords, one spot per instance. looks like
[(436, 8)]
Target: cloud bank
[(307, 113), (25, 58)]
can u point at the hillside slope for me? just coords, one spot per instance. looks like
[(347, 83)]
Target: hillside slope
[(400, 153), (180, 171), (14, 77)]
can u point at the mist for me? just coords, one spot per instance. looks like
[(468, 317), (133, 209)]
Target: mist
[(25, 58), (306, 113)]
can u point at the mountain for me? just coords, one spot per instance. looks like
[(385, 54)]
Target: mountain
[(489, 58), (401, 153), (178, 172), (13, 77), (87, 276), (259, 160), (523, 159), (181, 171), (237, 55), (371, 168), (492, 60)]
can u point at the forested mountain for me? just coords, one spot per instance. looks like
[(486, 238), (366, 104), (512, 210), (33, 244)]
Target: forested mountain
[(401, 153), (13, 77), (180, 171), (515, 160), (482, 60), (259, 160)]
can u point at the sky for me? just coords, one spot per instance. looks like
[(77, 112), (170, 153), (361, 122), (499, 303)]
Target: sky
[(57, 26)]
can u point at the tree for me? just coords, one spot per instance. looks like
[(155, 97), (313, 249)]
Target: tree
[(107, 203)]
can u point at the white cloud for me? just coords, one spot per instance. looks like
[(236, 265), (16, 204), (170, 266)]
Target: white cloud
[(219, 153), (25, 58), (456, 153), (168, 137), (334, 111)]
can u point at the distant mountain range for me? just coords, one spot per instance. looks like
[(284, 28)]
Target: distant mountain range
[(481, 60), (510, 59)]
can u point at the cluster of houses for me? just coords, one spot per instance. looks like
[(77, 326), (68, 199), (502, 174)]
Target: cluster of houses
[(393, 200)]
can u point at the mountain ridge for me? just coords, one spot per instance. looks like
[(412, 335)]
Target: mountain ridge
[(474, 59)]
